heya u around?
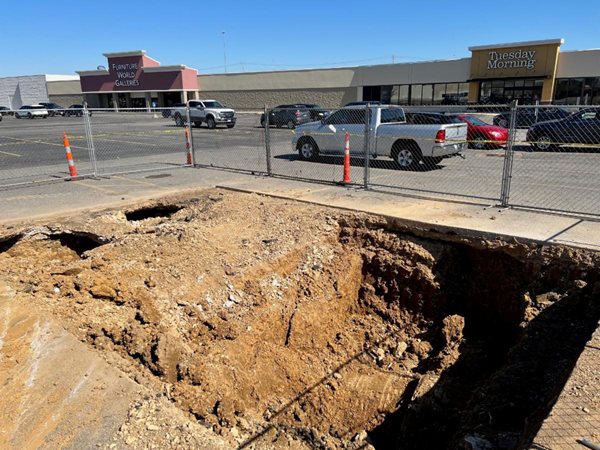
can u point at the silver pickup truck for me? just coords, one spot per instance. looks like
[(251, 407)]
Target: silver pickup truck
[(210, 112), (409, 145)]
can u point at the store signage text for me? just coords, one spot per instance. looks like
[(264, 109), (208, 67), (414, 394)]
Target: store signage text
[(520, 59), (126, 74)]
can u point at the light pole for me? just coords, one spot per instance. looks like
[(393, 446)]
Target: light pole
[(224, 51)]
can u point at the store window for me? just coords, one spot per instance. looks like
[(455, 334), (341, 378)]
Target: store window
[(419, 94), (371, 93), (427, 94), (577, 91), (527, 91), (404, 94)]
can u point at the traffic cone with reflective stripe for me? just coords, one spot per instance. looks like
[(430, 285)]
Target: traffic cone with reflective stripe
[(188, 147), (72, 168), (347, 159)]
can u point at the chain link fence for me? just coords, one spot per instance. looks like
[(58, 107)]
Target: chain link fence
[(535, 157), (221, 140), (135, 139), (31, 146), (555, 159)]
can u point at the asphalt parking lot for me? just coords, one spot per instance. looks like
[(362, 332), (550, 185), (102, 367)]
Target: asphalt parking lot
[(567, 180)]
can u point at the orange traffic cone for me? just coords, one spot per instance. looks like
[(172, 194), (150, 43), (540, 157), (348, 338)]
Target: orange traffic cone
[(72, 168), (347, 159), (188, 147)]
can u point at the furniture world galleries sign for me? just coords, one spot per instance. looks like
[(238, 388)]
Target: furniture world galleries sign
[(126, 74), (135, 71)]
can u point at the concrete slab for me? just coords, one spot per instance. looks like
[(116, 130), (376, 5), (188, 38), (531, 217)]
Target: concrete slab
[(45, 200)]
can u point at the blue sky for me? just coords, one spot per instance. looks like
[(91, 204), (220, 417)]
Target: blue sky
[(62, 36)]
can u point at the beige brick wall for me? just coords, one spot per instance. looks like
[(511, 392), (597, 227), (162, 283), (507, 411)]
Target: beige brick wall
[(327, 98), (66, 100)]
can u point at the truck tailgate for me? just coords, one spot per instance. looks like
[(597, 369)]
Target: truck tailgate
[(455, 132)]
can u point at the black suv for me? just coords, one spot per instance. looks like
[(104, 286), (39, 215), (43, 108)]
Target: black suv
[(362, 103), (581, 128), (54, 109), (528, 116), (294, 114), (75, 110)]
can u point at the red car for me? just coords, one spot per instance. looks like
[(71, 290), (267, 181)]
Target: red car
[(482, 135)]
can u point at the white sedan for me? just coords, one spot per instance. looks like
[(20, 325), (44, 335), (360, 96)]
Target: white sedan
[(31, 112)]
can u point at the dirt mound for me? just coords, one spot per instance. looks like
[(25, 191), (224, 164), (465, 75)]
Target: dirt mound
[(302, 327)]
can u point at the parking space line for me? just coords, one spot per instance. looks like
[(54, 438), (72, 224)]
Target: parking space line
[(29, 141), (125, 142), (10, 154)]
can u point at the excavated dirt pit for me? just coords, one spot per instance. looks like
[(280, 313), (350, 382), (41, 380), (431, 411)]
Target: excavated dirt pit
[(284, 325)]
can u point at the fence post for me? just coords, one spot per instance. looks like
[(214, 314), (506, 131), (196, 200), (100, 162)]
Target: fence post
[(367, 157), (189, 124), (89, 137), (508, 155), (267, 141)]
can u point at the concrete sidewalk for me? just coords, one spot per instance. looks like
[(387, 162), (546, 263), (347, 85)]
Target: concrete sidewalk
[(28, 203)]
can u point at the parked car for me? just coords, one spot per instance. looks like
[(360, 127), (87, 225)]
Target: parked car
[(75, 110), (293, 115), (528, 116), (54, 109), (362, 103), (409, 145), (582, 127), (31, 112), (211, 112), (6, 111), (166, 113), (481, 135)]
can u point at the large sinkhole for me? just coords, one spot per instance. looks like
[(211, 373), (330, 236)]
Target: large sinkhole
[(335, 334), (150, 212), (491, 335)]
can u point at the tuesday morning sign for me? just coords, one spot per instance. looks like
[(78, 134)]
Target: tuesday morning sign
[(514, 61)]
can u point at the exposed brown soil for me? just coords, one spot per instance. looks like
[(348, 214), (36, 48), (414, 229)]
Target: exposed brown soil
[(283, 325)]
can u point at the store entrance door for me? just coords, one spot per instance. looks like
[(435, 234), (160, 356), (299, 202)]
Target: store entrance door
[(527, 91)]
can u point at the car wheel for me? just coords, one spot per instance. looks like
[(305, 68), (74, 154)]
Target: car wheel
[(44, 117), (262, 121), (291, 125), (307, 149), (178, 120), (544, 143), (210, 123), (407, 156), (30, 116)]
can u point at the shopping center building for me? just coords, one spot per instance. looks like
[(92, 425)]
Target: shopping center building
[(534, 71)]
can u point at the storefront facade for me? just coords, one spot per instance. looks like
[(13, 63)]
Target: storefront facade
[(534, 71), (524, 71), (135, 80)]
